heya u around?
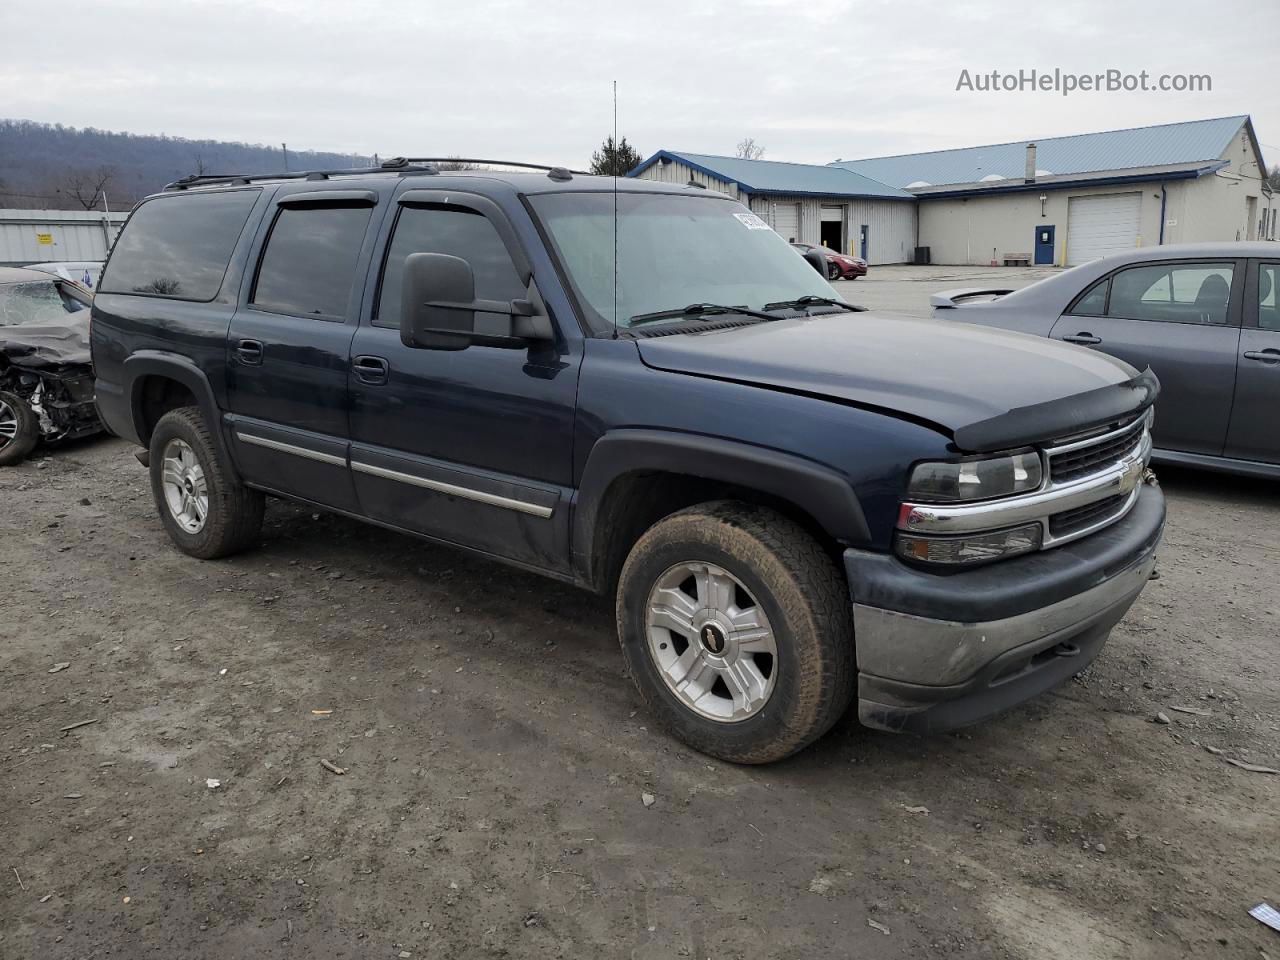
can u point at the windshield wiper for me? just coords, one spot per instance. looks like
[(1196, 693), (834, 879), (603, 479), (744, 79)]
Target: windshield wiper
[(697, 310), (812, 301)]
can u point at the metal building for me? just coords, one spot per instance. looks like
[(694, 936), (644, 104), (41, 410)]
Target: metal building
[(33, 236), (1060, 201), (1067, 200), (804, 202)]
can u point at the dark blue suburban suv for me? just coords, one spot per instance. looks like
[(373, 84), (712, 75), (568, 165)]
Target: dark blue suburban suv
[(649, 394)]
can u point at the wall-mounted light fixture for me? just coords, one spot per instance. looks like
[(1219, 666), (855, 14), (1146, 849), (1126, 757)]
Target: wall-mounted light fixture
[(1044, 198)]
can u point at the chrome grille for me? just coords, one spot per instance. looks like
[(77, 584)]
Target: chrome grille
[(1084, 518), (1071, 461)]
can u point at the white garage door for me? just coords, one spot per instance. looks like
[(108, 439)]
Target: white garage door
[(786, 220), (1103, 225)]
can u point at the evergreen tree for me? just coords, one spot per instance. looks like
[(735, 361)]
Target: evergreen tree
[(615, 160)]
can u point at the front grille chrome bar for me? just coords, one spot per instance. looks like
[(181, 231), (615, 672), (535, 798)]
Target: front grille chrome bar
[(1121, 478)]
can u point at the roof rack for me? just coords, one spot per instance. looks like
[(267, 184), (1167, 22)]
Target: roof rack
[(496, 163), (401, 165)]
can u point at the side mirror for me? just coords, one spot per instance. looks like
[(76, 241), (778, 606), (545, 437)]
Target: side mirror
[(437, 294), (438, 308), (818, 260)]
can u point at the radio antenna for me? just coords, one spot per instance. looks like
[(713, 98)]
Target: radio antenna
[(615, 209)]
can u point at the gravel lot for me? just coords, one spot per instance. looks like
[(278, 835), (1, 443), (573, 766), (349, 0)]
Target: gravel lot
[(495, 760)]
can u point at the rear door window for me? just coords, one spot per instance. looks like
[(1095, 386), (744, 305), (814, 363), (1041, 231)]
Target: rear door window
[(1093, 303), (309, 264), (1174, 293), (178, 247)]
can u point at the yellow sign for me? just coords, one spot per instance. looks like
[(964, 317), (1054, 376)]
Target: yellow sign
[(44, 239)]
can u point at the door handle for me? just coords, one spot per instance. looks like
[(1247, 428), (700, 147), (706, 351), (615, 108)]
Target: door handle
[(370, 369), (249, 351), (1266, 356), (1084, 338)]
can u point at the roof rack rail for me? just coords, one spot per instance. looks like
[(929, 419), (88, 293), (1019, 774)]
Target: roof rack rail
[(402, 165), (240, 179), (495, 163)]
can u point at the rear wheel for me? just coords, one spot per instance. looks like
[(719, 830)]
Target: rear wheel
[(833, 271), (736, 628), (19, 429), (205, 511)]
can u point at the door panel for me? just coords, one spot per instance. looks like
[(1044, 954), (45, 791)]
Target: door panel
[(1137, 314), (1044, 244), (298, 388), (289, 349), (1253, 434), (1195, 364), (472, 446)]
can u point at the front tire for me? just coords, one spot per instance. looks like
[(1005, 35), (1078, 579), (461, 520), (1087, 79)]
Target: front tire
[(19, 429), (736, 628), (205, 511)]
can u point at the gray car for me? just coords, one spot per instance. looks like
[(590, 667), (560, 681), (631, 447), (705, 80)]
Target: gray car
[(1204, 317)]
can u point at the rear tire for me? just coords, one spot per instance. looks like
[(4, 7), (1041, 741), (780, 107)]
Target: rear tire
[(19, 429), (771, 572), (206, 512), (833, 271)]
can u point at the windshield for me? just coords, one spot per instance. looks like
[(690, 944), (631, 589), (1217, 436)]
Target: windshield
[(673, 250), (40, 301)]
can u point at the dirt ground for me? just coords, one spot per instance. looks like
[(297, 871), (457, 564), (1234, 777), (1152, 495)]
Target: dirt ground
[(496, 758)]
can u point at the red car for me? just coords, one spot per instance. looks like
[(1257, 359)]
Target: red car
[(840, 266)]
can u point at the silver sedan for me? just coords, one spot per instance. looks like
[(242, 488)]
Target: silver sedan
[(1204, 317)]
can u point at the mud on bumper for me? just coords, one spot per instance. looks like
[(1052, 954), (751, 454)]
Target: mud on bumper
[(941, 651)]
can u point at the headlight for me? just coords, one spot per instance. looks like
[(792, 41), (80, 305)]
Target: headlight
[(971, 549), (976, 479)]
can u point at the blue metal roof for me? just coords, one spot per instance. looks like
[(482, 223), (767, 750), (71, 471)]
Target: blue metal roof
[(770, 176), (1164, 145)]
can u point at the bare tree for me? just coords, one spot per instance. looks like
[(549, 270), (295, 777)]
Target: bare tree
[(1273, 178), (456, 163), (748, 149), (200, 168), (85, 187)]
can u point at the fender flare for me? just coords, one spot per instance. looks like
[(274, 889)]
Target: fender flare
[(818, 490), (176, 367)]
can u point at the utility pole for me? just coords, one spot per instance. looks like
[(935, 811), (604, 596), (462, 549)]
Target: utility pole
[(106, 222), (284, 147)]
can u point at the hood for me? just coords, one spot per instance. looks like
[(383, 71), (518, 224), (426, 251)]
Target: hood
[(48, 345), (983, 386)]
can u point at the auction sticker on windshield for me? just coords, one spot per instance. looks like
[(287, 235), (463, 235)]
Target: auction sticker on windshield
[(751, 221)]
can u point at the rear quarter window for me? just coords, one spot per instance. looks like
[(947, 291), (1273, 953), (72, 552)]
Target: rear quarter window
[(178, 247)]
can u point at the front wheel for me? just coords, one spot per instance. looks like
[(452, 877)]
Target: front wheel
[(19, 429), (735, 626), (206, 512)]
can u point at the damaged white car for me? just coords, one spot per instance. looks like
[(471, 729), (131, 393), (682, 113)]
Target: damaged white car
[(46, 380)]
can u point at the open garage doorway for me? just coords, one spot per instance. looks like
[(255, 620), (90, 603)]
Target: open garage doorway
[(832, 234)]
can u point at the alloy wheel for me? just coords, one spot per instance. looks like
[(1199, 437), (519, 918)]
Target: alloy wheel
[(185, 491), (711, 641), (8, 424)]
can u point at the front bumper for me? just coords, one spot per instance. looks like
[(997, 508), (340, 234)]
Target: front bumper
[(940, 651)]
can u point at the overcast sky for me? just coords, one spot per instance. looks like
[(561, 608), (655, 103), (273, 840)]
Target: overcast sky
[(811, 80)]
